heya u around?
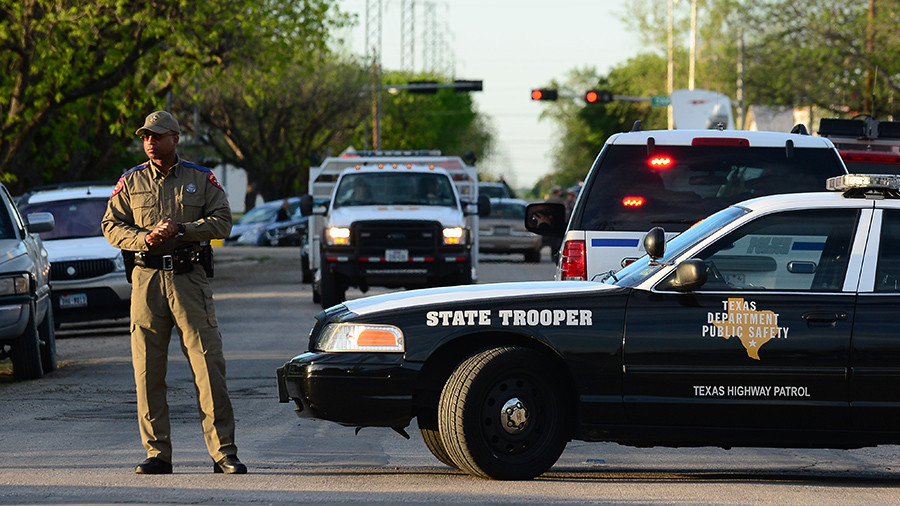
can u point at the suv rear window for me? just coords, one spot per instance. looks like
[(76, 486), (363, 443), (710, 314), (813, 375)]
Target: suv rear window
[(676, 186)]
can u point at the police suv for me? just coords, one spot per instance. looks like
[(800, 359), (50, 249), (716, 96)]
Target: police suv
[(674, 178), (768, 324)]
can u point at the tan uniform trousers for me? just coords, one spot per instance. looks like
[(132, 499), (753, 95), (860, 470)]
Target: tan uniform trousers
[(159, 300)]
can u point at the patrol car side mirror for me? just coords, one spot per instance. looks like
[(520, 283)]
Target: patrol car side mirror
[(655, 243), (546, 218), (688, 276), (306, 205)]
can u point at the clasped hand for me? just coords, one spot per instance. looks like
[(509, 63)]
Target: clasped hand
[(167, 228)]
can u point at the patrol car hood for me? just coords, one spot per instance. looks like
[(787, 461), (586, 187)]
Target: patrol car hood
[(82, 248), (345, 216), (474, 293)]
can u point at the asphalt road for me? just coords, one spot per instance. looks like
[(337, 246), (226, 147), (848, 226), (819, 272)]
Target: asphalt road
[(72, 436)]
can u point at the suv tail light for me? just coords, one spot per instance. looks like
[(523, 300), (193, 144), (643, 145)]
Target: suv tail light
[(572, 262)]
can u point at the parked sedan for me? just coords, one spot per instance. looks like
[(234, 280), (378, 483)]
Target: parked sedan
[(250, 229), (503, 231)]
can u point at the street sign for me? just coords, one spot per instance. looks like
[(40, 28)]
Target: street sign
[(660, 100)]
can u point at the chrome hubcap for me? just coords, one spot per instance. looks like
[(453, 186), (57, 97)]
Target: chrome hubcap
[(514, 416)]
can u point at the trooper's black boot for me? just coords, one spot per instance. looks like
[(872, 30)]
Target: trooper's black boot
[(154, 465), (229, 464)]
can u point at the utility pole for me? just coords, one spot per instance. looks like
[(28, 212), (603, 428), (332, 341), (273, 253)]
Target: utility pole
[(373, 44), (693, 44), (670, 66), (408, 35), (869, 106)]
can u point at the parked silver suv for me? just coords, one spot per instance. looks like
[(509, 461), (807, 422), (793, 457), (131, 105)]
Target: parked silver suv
[(27, 335), (87, 274)]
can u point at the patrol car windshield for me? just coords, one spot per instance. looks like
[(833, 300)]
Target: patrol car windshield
[(639, 270), (73, 218), (395, 188), (676, 186)]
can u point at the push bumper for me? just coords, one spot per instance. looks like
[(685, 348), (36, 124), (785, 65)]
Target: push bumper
[(426, 271), (353, 389)]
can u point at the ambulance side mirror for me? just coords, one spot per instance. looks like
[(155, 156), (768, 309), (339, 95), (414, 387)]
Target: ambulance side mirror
[(306, 205), (546, 218)]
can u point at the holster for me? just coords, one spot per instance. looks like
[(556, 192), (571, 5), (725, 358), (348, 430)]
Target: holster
[(128, 259)]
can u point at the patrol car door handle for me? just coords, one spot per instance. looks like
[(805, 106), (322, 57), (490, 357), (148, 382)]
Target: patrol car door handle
[(823, 318)]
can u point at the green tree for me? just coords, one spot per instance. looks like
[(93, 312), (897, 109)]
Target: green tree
[(274, 123), (77, 76), (826, 53), (588, 126)]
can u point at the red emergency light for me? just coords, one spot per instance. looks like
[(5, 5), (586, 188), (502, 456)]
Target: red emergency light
[(660, 161)]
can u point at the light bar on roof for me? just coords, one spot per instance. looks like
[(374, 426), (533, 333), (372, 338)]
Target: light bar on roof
[(862, 181)]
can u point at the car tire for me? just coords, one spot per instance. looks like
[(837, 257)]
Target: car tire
[(502, 414), (330, 292), (533, 256), (26, 353), (428, 427), (47, 334)]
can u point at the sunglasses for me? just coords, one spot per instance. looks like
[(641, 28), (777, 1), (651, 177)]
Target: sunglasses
[(148, 137)]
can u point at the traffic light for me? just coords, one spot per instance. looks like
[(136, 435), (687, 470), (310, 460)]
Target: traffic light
[(461, 86), (598, 97), (423, 87), (544, 94)]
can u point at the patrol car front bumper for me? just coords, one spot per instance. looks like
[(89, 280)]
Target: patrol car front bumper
[(353, 389)]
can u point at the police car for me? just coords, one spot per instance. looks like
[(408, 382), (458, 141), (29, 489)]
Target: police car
[(771, 323)]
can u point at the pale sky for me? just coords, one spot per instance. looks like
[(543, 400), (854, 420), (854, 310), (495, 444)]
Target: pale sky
[(513, 46)]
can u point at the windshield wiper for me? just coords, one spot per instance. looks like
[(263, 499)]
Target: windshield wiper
[(609, 274)]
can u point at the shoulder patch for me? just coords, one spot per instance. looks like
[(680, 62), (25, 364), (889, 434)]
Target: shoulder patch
[(119, 185), (209, 174)]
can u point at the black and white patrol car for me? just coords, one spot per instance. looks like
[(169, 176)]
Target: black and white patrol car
[(771, 323)]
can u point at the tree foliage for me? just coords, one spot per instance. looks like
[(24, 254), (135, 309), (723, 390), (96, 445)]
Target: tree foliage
[(78, 77), (445, 120), (274, 124), (837, 56)]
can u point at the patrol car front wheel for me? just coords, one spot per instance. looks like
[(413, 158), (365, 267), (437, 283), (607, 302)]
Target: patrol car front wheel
[(502, 414)]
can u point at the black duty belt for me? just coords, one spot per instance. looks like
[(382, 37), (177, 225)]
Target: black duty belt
[(181, 260)]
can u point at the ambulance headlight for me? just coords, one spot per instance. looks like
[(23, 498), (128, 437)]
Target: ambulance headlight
[(337, 236), (341, 337), (454, 236)]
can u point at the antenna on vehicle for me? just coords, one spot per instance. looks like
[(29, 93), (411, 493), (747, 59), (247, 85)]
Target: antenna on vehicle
[(636, 127)]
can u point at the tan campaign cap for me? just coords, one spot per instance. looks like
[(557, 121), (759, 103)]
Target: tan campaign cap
[(160, 122)]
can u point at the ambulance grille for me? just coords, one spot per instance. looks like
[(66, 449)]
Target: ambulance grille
[(420, 238)]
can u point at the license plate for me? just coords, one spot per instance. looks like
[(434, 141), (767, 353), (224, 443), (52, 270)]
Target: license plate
[(396, 255), (501, 230), (73, 300)]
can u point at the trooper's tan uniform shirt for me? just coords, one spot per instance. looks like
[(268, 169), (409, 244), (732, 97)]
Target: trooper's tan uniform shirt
[(161, 299)]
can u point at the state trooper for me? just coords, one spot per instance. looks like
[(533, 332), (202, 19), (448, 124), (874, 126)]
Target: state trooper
[(164, 212)]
